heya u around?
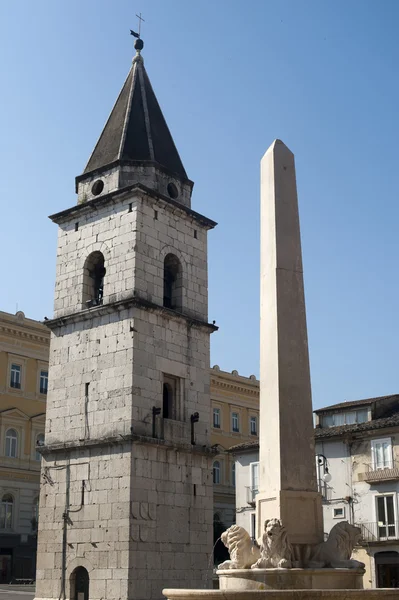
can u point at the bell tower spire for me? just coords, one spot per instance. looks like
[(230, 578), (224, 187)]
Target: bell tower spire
[(135, 145)]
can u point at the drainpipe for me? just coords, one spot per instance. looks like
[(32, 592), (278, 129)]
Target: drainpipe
[(65, 518)]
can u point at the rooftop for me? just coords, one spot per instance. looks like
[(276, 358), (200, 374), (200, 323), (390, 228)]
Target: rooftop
[(355, 403), (244, 446)]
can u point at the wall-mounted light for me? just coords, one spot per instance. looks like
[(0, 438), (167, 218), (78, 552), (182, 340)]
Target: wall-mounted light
[(322, 462)]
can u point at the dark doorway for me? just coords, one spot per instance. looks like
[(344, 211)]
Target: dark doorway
[(387, 569), (80, 581), (5, 566)]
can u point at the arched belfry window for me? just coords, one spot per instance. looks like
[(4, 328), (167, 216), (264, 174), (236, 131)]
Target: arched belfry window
[(172, 283), (93, 280)]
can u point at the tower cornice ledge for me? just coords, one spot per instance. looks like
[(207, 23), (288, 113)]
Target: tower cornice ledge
[(123, 439), (130, 163), (110, 307), (84, 207)]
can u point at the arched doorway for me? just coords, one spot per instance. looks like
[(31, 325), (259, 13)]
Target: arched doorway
[(80, 584), (387, 569)]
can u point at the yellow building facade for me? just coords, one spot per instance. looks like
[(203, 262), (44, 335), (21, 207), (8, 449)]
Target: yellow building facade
[(24, 351), (234, 419)]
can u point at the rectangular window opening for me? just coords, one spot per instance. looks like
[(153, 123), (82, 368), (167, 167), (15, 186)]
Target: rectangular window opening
[(43, 381), (171, 397), (76, 226), (339, 513), (235, 423), (15, 379), (130, 207), (156, 215), (381, 454), (386, 517), (216, 418), (195, 234), (254, 425), (87, 386)]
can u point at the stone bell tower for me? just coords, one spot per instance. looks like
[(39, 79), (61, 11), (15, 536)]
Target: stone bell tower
[(126, 494)]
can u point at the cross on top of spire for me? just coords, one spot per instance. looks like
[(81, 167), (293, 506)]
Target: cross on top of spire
[(138, 44)]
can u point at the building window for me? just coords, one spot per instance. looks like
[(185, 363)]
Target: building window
[(39, 442), (6, 510), (170, 397), (93, 280), (339, 513), (216, 418), (255, 476), (15, 379), (216, 472), (381, 454), (43, 381), (253, 526), (254, 425), (233, 474), (11, 443), (172, 283), (386, 517), (345, 418), (235, 423)]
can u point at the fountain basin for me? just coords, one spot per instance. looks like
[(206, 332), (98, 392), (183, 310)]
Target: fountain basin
[(290, 579), (376, 594)]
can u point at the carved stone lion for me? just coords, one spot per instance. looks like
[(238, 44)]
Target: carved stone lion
[(336, 552), (275, 550), (243, 552)]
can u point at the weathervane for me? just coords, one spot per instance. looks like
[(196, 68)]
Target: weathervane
[(137, 35)]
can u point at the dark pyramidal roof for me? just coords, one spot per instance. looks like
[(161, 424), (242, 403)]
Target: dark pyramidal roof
[(136, 129)]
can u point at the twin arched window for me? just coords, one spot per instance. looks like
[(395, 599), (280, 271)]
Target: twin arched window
[(11, 443), (6, 511), (172, 283), (93, 280)]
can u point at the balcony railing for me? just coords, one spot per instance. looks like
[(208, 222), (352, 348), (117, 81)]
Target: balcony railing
[(374, 474), (378, 531), (252, 492)]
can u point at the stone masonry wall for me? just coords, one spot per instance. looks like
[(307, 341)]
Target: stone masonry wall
[(134, 235), (145, 522)]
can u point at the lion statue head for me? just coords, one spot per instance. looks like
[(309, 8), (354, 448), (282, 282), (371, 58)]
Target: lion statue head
[(243, 552), (275, 551), (336, 552)]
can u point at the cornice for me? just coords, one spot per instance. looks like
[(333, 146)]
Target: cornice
[(57, 448), (243, 388), (17, 332), (134, 301)]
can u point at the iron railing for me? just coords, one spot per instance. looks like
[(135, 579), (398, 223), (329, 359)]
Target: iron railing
[(376, 531), (374, 473)]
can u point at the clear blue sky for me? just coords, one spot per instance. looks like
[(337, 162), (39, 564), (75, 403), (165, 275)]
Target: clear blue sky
[(230, 76)]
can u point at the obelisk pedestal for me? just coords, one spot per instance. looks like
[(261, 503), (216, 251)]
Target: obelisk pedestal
[(287, 475)]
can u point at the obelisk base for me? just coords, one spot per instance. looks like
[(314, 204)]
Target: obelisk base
[(300, 512)]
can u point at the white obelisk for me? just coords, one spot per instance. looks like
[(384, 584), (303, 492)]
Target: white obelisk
[(287, 477)]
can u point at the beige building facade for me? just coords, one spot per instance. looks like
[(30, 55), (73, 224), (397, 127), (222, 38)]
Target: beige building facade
[(234, 420), (24, 345), (359, 441)]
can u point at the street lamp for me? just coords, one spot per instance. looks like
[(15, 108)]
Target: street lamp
[(322, 462)]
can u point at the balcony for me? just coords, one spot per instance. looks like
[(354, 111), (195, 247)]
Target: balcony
[(252, 492), (378, 531), (374, 475)]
